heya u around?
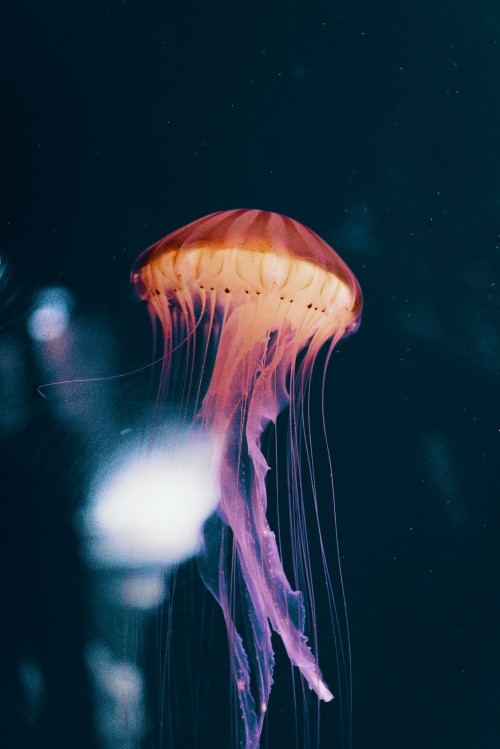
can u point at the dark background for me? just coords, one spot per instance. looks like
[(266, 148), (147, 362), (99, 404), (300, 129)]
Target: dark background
[(376, 124)]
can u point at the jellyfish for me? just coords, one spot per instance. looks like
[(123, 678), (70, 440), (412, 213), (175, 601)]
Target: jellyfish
[(252, 296)]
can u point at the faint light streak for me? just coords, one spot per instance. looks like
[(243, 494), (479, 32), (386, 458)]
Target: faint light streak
[(34, 687), (14, 411)]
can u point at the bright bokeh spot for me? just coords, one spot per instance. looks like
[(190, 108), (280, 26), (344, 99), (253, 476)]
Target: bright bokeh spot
[(50, 314), (151, 509)]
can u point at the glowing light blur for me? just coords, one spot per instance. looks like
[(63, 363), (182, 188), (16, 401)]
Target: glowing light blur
[(119, 697), (50, 314), (149, 510)]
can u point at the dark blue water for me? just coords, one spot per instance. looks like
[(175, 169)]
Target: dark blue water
[(376, 124)]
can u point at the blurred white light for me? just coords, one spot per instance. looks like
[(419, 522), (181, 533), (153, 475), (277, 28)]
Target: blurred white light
[(143, 590), (151, 509), (50, 314), (119, 697)]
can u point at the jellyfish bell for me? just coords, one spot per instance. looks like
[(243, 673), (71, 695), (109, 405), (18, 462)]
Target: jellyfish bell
[(263, 289), (231, 258)]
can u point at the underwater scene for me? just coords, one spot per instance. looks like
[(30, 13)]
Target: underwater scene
[(250, 375)]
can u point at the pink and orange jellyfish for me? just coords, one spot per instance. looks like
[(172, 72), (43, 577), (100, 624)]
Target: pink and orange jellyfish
[(263, 294)]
